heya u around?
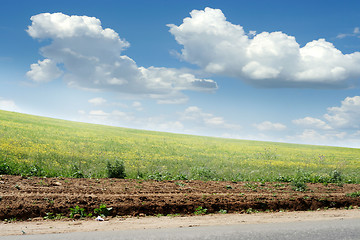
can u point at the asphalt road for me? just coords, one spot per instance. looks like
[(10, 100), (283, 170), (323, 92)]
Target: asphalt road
[(329, 229)]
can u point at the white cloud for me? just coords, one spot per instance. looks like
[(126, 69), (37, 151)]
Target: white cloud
[(268, 126), (268, 59), (119, 104), (97, 101), (197, 115), (113, 118), (58, 25), (137, 105), (355, 33), (192, 120), (356, 30), (345, 116), (161, 124), (332, 138), (91, 59), (311, 136), (339, 126), (8, 105), (178, 100), (44, 71), (310, 122), (252, 33), (120, 116), (129, 119), (356, 134), (98, 113), (194, 113), (342, 35)]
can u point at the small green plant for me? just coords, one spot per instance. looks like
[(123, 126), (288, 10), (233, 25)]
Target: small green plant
[(78, 212), (160, 176), (76, 172), (35, 170), (228, 187), (200, 211), (102, 210), (204, 173), (116, 170), (50, 201), (353, 194), (59, 216), (50, 215), (252, 186), (5, 168), (180, 184), (250, 210), (10, 220), (299, 186), (222, 211), (335, 176)]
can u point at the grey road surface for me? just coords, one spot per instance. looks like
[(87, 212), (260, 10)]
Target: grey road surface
[(329, 229)]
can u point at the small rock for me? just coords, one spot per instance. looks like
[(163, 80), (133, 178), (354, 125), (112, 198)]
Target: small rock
[(57, 183)]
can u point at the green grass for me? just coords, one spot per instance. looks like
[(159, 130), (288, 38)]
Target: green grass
[(38, 146)]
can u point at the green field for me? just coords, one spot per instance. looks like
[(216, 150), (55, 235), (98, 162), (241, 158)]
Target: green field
[(39, 146)]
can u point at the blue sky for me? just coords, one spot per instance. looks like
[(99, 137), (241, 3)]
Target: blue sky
[(260, 70)]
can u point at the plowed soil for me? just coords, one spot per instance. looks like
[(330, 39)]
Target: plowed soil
[(24, 198)]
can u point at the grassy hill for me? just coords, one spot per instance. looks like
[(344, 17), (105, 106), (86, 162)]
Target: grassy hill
[(39, 146)]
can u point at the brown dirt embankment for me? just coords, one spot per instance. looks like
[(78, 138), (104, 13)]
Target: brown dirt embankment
[(24, 198)]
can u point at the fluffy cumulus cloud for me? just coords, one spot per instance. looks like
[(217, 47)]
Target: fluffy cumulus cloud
[(90, 57), (267, 59), (345, 116), (269, 126), (339, 126), (44, 71)]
